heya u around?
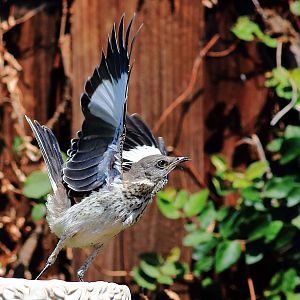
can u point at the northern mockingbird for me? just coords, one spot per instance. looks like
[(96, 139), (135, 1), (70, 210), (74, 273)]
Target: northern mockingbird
[(114, 167)]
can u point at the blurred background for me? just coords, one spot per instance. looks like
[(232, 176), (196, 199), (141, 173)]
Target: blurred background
[(220, 81)]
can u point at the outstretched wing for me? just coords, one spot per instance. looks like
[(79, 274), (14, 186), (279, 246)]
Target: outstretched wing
[(94, 157), (139, 142)]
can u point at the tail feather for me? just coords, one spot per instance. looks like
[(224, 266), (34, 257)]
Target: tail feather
[(58, 202), (50, 151)]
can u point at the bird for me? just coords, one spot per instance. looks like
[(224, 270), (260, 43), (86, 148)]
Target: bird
[(114, 166)]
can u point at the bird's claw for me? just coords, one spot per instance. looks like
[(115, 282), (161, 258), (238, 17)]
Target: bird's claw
[(80, 275)]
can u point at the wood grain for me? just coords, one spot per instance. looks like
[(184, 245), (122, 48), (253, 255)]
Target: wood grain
[(163, 57)]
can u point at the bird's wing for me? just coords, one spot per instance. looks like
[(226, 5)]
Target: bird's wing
[(139, 141), (94, 157)]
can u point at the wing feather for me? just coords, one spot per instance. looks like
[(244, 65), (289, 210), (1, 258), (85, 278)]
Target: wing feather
[(94, 157)]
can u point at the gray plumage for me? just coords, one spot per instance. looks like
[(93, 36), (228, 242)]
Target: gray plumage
[(115, 166)]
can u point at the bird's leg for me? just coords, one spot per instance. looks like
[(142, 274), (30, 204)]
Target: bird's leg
[(96, 250), (52, 258)]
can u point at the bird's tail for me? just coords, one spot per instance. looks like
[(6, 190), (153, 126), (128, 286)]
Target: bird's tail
[(57, 203)]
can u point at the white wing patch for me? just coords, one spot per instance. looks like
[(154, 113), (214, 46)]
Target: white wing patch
[(108, 100), (139, 152)]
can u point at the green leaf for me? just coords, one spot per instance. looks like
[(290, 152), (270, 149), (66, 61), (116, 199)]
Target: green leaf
[(280, 78), (244, 28), (279, 187), (169, 268), (150, 270), (258, 228), (196, 203), (285, 281), (284, 237), (293, 197), (208, 215), (221, 189), (166, 203), (202, 250), (223, 213), (256, 170), (167, 209), (203, 265), (37, 185), (273, 230), (291, 280), (231, 224), (253, 259), (292, 131), (190, 226), (241, 183), (232, 176), (254, 252), (219, 163), (197, 237), (250, 193), (266, 230), (290, 150), (275, 145), (206, 282), (17, 143), (165, 279), (295, 75), (228, 253), (181, 198), (168, 195), (284, 90), (174, 255), (292, 296), (268, 41), (142, 280), (295, 9), (296, 222), (38, 211)]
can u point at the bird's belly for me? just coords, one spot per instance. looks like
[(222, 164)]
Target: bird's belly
[(89, 222), (90, 237)]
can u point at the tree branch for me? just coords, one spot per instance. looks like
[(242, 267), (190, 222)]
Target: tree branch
[(187, 92)]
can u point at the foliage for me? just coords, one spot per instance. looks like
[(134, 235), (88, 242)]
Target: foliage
[(247, 30), (295, 7), (154, 270), (37, 186), (280, 79), (262, 227), (263, 223), (38, 211)]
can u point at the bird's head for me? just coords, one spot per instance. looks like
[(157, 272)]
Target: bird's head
[(155, 167)]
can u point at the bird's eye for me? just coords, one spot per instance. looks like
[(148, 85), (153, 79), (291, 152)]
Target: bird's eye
[(162, 164)]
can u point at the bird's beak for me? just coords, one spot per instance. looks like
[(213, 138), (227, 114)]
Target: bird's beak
[(181, 159), (177, 160)]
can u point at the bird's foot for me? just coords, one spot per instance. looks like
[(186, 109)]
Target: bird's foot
[(80, 274)]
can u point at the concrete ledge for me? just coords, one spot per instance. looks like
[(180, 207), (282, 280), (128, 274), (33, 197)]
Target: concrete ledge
[(12, 288)]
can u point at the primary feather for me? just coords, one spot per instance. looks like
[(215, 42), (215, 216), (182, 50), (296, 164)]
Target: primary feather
[(95, 156)]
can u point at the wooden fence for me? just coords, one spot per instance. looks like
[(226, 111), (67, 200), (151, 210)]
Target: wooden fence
[(188, 68)]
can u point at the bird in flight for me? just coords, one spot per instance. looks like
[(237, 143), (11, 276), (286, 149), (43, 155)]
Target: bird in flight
[(114, 167)]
